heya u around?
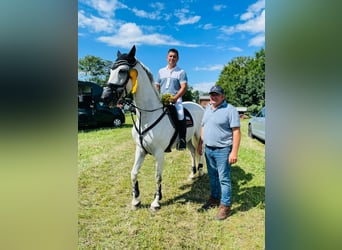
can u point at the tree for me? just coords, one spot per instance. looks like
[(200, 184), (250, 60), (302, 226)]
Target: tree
[(94, 69), (243, 80), (191, 95)]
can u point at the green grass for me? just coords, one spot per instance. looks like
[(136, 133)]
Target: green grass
[(106, 221)]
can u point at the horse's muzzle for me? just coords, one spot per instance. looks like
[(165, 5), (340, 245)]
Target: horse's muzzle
[(107, 95), (111, 94)]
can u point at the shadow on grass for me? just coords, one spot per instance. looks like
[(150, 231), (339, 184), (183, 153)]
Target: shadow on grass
[(198, 192), (243, 197)]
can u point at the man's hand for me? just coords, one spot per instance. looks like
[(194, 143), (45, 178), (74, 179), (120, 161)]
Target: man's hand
[(232, 158)]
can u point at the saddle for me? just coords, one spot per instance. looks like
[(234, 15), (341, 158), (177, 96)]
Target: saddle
[(172, 114)]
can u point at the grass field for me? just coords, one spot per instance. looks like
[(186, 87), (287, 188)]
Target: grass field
[(106, 221)]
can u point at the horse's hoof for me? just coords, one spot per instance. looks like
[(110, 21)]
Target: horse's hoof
[(136, 206), (155, 205), (191, 176), (154, 209)]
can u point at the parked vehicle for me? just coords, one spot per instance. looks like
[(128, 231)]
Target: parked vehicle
[(256, 125), (92, 112)]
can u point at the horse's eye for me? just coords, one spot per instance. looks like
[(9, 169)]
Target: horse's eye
[(123, 72)]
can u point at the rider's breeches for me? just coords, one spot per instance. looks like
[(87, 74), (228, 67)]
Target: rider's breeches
[(179, 108)]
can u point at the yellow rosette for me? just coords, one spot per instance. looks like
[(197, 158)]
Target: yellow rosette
[(133, 73)]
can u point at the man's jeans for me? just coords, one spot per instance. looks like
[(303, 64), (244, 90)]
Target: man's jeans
[(219, 173)]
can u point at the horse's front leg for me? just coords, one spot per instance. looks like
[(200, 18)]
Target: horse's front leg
[(139, 158), (159, 156)]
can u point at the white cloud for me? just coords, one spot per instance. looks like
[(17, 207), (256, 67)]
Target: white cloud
[(210, 68), (219, 7), (183, 20), (130, 34), (153, 15), (104, 7), (157, 5), (190, 20), (145, 14), (256, 7), (253, 10), (235, 49), (208, 26), (246, 16), (257, 41), (255, 25), (228, 30), (253, 22), (95, 24)]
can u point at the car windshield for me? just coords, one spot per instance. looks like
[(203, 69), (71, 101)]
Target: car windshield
[(261, 113)]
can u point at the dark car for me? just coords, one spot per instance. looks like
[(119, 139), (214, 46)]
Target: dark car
[(92, 112), (100, 115)]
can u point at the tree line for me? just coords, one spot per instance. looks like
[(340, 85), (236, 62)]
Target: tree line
[(243, 79)]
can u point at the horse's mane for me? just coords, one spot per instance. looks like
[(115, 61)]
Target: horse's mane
[(150, 77), (148, 72)]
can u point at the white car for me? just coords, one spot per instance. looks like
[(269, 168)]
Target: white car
[(256, 125)]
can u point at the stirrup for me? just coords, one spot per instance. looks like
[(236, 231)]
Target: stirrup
[(181, 145)]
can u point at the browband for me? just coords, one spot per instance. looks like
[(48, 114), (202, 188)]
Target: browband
[(123, 62)]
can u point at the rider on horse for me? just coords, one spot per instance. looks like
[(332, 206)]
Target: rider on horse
[(173, 80)]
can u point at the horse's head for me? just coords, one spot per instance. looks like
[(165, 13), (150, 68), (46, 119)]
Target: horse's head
[(120, 74)]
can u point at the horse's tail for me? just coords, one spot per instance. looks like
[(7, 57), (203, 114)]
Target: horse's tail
[(196, 112)]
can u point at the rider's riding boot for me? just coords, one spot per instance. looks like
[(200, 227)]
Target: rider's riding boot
[(182, 134)]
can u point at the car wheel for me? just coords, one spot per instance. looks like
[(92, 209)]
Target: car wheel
[(250, 134), (117, 122)]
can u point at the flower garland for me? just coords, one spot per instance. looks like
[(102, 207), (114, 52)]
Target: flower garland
[(166, 99)]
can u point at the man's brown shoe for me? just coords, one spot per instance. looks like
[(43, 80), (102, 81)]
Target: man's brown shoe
[(223, 212), (211, 203)]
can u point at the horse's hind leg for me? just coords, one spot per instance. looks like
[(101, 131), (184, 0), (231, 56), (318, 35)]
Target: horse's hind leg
[(193, 159), (159, 156), (200, 162), (139, 158), (200, 165)]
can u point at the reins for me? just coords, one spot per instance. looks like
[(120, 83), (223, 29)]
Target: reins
[(142, 132), (145, 110)]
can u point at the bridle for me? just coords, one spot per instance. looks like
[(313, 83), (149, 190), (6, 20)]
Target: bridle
[(117, 89)]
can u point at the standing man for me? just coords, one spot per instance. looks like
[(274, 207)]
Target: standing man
[(221, 136), (173, 80)]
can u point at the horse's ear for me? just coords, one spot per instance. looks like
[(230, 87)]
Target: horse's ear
[(132, 52), (118, 54)]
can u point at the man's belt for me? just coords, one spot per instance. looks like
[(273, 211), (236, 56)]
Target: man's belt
[(213, 148)]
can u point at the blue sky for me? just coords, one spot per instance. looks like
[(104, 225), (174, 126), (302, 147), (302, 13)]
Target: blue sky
[(207, 34)]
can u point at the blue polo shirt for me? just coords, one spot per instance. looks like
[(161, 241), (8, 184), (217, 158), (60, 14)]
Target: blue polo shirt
[(170, 80), (217, 125)]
